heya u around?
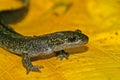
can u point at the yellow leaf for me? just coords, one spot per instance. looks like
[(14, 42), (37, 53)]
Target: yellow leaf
[(98, 60)]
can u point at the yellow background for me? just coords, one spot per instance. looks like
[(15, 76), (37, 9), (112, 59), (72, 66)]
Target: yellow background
[(99, 19)]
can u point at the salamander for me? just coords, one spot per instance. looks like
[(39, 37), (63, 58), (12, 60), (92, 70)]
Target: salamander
[(43, 45)]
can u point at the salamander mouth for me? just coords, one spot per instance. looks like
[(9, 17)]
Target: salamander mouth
[(79, 43), (70, 45)]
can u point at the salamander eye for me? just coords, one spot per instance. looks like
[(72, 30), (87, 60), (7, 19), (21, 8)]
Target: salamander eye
[(71, 39)]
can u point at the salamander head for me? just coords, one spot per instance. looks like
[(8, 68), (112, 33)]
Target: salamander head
[(68, 39)]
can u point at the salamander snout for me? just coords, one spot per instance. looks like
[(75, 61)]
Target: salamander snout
[(84, 39)]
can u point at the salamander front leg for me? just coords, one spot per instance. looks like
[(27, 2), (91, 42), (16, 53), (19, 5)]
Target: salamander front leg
[(62, 54), (28, 65)]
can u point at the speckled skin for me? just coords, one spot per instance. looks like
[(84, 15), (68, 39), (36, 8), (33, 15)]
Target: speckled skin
[(44, 45), (40, 45)]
